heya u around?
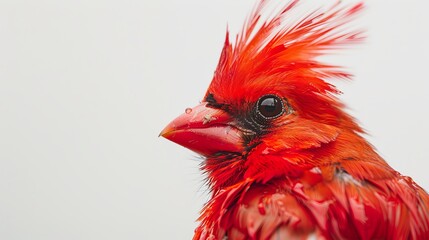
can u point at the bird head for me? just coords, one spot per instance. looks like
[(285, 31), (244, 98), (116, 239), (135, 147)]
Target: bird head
[(269, 109)]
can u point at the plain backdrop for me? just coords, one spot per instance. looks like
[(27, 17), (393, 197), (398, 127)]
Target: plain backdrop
[(86, 87)]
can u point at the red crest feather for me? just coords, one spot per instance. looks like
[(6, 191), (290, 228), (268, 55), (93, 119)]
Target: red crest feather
[(282, 57)]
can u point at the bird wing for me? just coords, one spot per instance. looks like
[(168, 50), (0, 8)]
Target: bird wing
[(342, 208)]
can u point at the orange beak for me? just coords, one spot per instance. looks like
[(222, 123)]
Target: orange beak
[(206, 131)]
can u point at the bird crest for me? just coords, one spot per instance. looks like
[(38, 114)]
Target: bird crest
[(281, 56)]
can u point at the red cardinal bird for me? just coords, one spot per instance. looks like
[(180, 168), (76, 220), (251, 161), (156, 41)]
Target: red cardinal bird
[(282, 157)]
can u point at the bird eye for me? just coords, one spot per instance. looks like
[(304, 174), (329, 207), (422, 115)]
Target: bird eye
[(269, 107)]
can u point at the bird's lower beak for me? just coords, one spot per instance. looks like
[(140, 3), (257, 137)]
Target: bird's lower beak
[(205, 130)]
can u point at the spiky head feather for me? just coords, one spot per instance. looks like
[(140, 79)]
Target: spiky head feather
[(281, 58)]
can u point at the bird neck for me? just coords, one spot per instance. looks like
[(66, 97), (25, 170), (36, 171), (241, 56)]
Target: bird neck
[(349, 152)]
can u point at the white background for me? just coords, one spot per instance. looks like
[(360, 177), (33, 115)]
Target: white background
[(86, 86)]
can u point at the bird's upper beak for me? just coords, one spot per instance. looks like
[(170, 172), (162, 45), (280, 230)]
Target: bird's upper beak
[(205, 130)]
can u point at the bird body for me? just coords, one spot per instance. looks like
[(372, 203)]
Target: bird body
[(282, 157)]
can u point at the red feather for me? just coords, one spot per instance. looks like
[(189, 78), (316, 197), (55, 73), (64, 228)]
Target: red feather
[(308, 172)]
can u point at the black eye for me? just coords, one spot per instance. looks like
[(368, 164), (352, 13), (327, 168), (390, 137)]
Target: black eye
[(269, 107)]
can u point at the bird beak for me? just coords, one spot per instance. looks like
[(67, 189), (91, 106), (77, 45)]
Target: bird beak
[(206, 131)]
